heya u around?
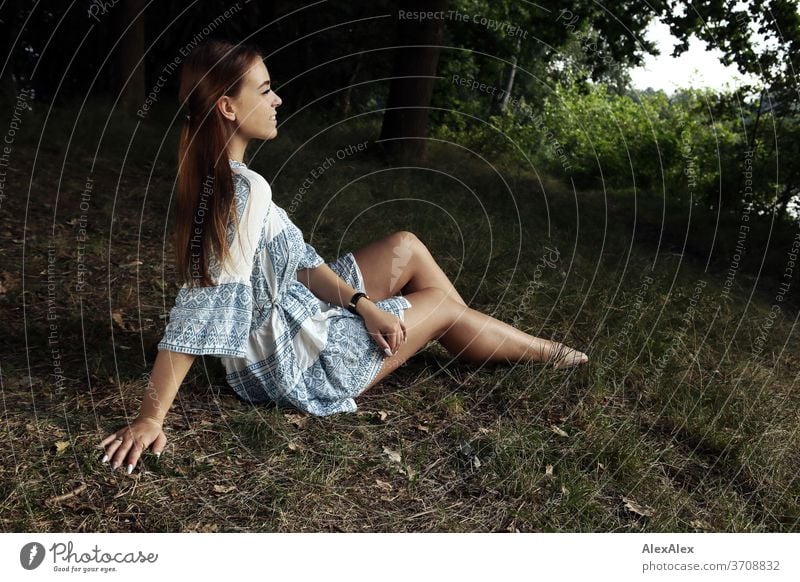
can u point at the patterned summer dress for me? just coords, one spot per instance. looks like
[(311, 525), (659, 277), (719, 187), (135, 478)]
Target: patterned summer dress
[(277, 340)]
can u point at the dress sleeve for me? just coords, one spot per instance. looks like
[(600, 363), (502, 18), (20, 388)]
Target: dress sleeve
[(216, 320), (310, 259), (212, 321)]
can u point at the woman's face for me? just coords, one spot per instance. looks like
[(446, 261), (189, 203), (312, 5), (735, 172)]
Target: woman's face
[(256, 104)]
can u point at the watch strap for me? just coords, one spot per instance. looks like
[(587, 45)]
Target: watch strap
[(351, 306)]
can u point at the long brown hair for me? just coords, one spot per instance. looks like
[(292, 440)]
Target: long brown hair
[(205, 194)]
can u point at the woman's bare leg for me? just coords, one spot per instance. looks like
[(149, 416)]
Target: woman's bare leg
[(478, 337), (401, 263), (470, 335)]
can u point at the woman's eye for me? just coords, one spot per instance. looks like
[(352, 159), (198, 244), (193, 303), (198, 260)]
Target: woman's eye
[(267, 91)]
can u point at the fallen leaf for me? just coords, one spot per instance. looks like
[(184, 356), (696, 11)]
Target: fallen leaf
[(558, 431), (9, 281), (204, 528), (393, 455), (116, 316), (637, 508), (548, 471), (224, 488), (293, 446), (408, 472), (61, 446), (699, 524), (423, 428), (383, 485), (298, 420), (382, 415), (564, 490)]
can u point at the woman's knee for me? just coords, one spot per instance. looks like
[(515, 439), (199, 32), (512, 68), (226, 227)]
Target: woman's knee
[(408, 241)]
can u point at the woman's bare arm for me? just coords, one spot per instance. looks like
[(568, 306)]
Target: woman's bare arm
[(327, 285), (386, 329), (169, 370)]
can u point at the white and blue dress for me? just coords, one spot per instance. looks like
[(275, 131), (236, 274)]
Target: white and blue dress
[(277, 341)]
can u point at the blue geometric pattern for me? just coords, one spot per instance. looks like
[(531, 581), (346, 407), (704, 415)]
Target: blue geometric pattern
[(310, 258), (213, 321), (278, 341), (347, 365), (241, 188)]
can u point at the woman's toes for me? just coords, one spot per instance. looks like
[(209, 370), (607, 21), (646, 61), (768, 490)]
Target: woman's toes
[(570, 358)]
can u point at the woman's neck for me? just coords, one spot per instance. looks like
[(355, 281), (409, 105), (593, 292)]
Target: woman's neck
[(236, 149)]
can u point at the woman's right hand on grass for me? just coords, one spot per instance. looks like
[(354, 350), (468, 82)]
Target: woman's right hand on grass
[(125, 446)]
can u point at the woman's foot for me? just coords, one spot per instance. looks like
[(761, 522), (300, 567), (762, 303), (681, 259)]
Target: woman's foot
[(562, 356)]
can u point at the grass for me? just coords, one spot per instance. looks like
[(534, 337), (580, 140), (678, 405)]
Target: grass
[(677, 424)]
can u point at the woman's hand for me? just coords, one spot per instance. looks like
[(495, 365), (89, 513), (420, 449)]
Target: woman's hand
[(388, 330), (128, 443)]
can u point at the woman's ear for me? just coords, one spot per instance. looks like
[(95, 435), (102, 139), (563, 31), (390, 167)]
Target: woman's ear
[(226, 107)]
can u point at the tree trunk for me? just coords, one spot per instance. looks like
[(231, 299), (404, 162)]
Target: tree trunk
[(751, 143), (405, 121), (8, 26), (344, 108), (129, 81), (784, 198), (511, 75)]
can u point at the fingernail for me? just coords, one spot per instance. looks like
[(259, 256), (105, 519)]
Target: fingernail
[(158, 455), (387, 351), (130, 468), (105, 458), (114, 466)]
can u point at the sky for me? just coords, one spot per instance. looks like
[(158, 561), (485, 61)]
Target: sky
[(698, 67)]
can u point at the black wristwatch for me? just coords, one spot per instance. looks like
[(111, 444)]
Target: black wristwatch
[(354, 299)]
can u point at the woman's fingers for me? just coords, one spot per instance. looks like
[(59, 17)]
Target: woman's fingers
[(159, 444), (119, 455), (133, 457), (396, 338), (109, 439), (128, 451), (110, 448), (399, 335), (390, 335)]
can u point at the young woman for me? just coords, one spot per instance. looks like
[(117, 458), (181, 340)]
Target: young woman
[(288, 327)]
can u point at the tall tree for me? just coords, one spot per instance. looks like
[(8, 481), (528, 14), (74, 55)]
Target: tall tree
[(8, 26), (129, 78), (405, 122)]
